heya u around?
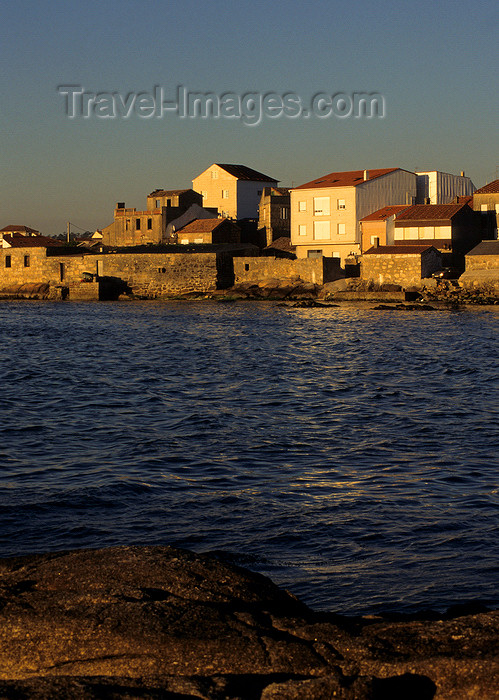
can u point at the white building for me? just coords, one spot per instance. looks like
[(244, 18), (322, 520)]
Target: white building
[(435, 187)]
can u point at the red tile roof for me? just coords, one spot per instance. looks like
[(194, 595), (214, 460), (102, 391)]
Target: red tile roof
[(20, 241), (398, 249), (346, 179), (491, 188), (201, 226), (13, 227), (430, 212), (383, 213), (242, 172)]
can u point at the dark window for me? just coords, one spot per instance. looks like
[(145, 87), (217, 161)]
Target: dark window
[(26, 261), (246, 266), (137, 224), (8, 261), (149, 224), (314, 253)]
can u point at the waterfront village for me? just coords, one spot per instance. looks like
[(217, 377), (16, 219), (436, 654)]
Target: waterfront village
[(383, 233)]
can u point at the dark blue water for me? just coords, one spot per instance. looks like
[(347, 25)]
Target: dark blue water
[(350, 454)]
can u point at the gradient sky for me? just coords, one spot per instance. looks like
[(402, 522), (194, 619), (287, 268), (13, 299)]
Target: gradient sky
[(436, 64)]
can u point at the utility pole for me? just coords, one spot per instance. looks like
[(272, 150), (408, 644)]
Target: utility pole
[(68, 232)]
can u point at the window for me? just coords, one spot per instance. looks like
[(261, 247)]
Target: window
[(26, 261), (321, 206), (168, 202), (341, 204), (149, 224), (127, 224), (322, 230), (8, 261), (484, 207), (314, 253), (284, 213), (214, 174), (342, 229), (198, 240), (302, 206), (158, 203), (246, 267), (137, 224), (225, 194), (302, 230)]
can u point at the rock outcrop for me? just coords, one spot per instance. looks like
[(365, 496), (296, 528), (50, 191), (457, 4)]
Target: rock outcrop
[(158, 622)]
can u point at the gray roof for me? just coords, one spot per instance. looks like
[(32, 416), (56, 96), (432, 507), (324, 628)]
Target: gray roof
[(485, 248)]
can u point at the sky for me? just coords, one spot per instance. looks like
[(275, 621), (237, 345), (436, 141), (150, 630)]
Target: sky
[(436, 66)]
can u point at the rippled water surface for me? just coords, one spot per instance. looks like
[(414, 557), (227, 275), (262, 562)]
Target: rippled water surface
[(349, 454)]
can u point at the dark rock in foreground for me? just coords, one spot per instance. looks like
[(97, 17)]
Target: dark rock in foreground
[(157, 622)]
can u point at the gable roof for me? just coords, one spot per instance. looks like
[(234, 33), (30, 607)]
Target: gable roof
[(398, 249), (430, 212), (491, 188), (242, 172), (350, 178), (20, 241), (201, 226), (385, 212)]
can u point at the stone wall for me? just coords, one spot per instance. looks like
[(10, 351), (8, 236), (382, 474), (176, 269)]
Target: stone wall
[(314, 270), (482, 262)]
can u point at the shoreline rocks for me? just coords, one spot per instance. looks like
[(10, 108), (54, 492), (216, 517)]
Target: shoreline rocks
[(159, 622)]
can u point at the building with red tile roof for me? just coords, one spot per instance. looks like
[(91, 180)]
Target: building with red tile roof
[(216, 231), (326, 212)]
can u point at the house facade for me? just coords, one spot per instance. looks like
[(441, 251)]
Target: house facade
[(326, 212), (452, 228), (435, 187), (234, 190)]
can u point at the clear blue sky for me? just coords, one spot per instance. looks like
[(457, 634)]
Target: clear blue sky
[(436, 64)]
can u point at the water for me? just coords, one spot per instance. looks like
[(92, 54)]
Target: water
[(349, 454)]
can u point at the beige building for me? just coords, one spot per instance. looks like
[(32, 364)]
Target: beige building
[(405, 265), (378, 228), (20, 230), (235, 190), (448, 227), (326, 212), (133, 227)]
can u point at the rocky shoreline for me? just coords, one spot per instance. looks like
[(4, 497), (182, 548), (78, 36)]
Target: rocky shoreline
[(159, 622)]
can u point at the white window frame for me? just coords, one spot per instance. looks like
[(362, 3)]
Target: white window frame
[(341, 229), (341, 204), (225, 194), (302, 205), (302, 229), (322, 206), (322, 230)]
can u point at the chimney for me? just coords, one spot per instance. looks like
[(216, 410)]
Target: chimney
[(462, 173), (366, 175)]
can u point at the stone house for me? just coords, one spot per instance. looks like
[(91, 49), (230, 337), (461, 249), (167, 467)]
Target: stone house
[(326, 212), (482, 267), (486, 201), (274, 214), (451, 228), (234, 190), (173, 198), (216, 231), (378, 228), (404, 265)]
